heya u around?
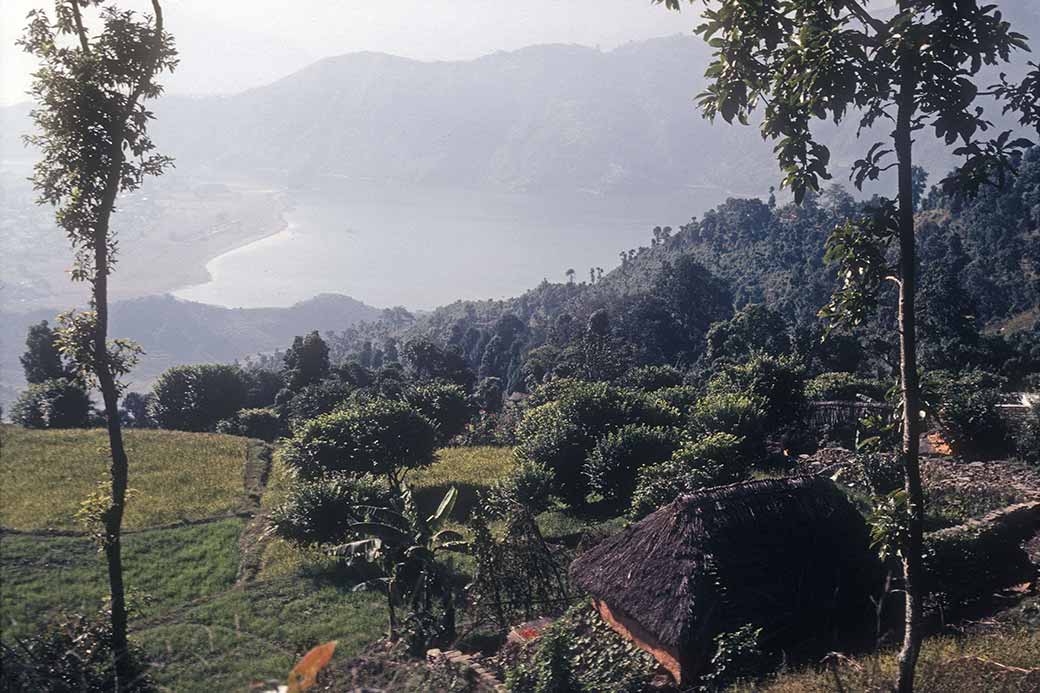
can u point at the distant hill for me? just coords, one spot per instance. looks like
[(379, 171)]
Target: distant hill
[(550, 117), (176, 332)]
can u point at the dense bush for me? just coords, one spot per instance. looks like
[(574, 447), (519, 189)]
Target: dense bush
[(967, 408), (529, 484), (581, 653), (446, 405), (561, 434), (828, 387), (382, 437), (195, 398), (739, 415), (612, 465), (713, 460), (71, 656), (315, 399), (652, 378), (489, 394), (755, 328), (262, 386), (776, 382), (873, 474), (54, 403), (264, 424), (682, 398), (321, 510)]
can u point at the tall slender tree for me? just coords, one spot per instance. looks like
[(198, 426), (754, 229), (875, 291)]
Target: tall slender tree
[(917, 69), (95, 72)]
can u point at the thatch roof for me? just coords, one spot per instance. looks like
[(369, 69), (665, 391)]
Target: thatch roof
[(791, 555)]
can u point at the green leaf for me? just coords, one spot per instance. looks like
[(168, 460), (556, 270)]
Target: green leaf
[(445, 508), (387, 533), (447, 535)]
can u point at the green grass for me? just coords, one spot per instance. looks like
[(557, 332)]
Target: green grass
[(45, 475), (470, 470), (165, 568), (242, 637)]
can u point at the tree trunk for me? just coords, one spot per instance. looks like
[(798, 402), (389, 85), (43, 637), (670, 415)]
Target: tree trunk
[(912, 558), (119, 469)]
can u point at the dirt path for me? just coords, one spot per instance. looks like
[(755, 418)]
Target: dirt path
[(251, 541)]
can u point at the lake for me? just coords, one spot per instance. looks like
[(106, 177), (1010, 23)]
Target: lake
[(422, 248)]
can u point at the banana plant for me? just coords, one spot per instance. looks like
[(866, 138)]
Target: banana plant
[(405, 548)]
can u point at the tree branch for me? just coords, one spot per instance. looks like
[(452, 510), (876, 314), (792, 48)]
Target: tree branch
[(80, 31), (865, 17)]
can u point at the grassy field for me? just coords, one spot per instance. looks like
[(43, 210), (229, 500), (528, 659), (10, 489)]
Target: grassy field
[(199, 631), (244, 636), (45, 475), (45, 576)]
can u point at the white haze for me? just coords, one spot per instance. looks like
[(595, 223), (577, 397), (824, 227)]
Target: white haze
[(230, 45)]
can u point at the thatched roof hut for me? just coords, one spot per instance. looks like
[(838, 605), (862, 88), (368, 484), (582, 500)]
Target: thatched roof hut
[(789, 555)]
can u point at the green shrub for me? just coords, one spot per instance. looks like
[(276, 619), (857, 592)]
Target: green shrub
[(737, 414), (321, 510), (682, 398), (967, 408), (653, 378), (713, 460), (446, 405), (529, 484), (777, 383), (315, 399), (71, 655), (54, 403), (874, 474), (382, 437), (560, 434), (195, 398), (840, 386), (553, 390), (580, 653), (612, 466), (264, 424), (737, 656)]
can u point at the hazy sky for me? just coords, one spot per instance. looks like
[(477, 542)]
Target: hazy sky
[(231, 45)]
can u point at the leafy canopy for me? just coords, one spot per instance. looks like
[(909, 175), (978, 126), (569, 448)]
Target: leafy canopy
[(801, 60), (91, 124)]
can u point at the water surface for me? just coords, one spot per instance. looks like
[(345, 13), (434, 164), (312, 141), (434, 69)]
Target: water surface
[(423, 248)]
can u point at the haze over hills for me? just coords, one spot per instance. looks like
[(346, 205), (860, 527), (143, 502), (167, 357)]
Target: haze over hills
[(543, 118), (551, 117)]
